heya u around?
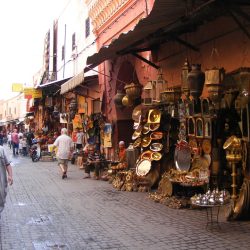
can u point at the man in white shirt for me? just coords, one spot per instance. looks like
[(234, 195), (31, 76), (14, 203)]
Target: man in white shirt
[(65, 147)]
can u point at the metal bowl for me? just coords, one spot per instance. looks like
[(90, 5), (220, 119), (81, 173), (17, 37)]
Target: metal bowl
[(147, 155), (145, 141), (136, 114), (156, 156), (154, 126), (156, 147), (146, 129), (154, 116), (156, 135), (137, 143), (137, 133)]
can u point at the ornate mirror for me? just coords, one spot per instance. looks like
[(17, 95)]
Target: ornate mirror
[(191, 126), (199, 127), (205, 106), (182, 156), (207, 128)]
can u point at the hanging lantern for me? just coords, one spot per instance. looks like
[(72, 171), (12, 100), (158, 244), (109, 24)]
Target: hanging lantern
[(213, 82), (184, 76), (72, 108), (148, 93), (160, 86)]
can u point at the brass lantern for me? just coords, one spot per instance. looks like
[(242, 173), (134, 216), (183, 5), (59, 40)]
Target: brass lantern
[(148, 93)]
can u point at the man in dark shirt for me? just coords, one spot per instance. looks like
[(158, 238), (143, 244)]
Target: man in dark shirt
[(94, 161)]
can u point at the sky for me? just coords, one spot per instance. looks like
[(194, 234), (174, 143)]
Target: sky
[(23, 25)]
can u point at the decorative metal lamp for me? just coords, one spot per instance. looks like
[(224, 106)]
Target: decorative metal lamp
[(213, 81), (72, 108), (148, 93), (184, 75), (160, 86)]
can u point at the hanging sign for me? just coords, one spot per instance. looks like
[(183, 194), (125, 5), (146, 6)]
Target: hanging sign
[(37, 93), (17, 87), (28, 92)]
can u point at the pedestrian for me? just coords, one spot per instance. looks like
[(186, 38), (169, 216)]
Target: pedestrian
[(1, 138), (23, 142), (15, 142), (79, 139), (5, 176), (9, 139), (65, 148)]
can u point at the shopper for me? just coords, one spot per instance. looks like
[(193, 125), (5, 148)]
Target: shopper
[(15, 142), (65, 148), (1, 138), (5, 176)]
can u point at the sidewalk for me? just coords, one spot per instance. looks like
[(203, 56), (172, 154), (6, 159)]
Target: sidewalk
[(45, 212)]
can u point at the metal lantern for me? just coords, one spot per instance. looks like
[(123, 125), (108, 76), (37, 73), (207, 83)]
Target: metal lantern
[(148, 93), (160, 86), (72, 108)]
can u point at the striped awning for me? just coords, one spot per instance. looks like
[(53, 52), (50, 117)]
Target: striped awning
[(72, 83)]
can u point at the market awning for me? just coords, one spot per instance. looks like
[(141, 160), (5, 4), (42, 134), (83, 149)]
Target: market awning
[(167, 21), (72, 83), (56, 83)]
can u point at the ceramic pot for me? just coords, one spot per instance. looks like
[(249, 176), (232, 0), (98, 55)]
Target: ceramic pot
[(195, 80), (118, 98)]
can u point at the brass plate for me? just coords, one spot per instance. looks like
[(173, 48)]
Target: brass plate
[(143, 167), (156, 147), (147, 155), (137, 143), (136, 114), (137, 133), (232, 143), (146, 129), (193, 143), (206, 146), (156, 156), (154, 116), (154, 126), (146, 141), (156, 135)]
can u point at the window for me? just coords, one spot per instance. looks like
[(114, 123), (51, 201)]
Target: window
[(73, 41), (63, 52), (15, 110), (87, 27), (9, 111)]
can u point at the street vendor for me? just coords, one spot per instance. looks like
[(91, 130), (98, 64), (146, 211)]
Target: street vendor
[(95, 161), (122, 161)]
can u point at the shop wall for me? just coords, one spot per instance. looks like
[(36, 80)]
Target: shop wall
[(228, 47)]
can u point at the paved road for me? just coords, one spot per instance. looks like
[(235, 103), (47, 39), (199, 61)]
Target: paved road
[(45, 212)]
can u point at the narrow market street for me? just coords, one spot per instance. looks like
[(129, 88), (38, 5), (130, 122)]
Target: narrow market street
[(45, 212)]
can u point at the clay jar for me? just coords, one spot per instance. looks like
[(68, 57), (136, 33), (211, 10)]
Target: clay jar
[(195, 80)]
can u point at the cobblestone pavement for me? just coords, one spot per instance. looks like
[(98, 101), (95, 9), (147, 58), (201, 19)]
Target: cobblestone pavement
[(45, 212)]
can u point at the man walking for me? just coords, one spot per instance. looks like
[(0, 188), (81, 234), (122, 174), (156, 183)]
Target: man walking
[(65, 147)]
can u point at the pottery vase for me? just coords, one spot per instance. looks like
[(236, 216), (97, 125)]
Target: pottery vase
[(195, 80)]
